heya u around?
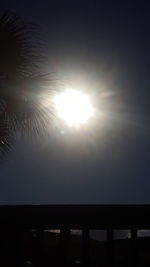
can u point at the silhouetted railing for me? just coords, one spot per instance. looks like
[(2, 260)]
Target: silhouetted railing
[(21, 219)]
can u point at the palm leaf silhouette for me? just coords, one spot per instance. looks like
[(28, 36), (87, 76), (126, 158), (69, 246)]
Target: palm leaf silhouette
[(22, 88), (18, 51), (6, 139)]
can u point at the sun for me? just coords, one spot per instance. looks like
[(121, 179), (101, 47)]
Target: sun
[(74, 107)]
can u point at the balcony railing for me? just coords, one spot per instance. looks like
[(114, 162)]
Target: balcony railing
[(23, 218)]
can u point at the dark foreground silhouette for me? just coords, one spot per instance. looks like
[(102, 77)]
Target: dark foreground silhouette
[(45, 250), (25, 239)]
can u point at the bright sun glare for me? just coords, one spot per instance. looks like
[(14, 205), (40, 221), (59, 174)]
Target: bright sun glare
[(74, 107)]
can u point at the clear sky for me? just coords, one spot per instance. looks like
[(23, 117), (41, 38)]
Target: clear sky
[(105, 48)]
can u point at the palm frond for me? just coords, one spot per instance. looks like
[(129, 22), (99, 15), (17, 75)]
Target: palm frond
[(30, 107), (25, 95), (6, 137), (18, 49)]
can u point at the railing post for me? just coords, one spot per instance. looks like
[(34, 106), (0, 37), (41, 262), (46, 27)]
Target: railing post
[(86, 247), (39, 247), (134, 246), (18, 257), (64, 239), (110, 247)]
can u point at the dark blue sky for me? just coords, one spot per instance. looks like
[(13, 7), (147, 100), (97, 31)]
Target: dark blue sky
[(104, 47)]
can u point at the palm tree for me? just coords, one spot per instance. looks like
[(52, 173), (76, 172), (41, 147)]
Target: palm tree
[(22, 87)]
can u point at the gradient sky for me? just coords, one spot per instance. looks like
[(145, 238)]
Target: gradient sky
[(105, 49)]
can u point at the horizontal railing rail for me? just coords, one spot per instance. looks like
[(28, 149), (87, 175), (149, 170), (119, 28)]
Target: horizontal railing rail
[(77, 216)]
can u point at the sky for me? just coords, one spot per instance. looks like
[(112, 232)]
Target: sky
[(103, 48)]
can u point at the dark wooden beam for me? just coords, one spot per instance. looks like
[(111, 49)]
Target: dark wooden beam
[(76, 216)]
